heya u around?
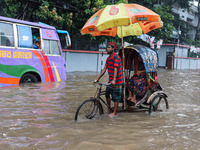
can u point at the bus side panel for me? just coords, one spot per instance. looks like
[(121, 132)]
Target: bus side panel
[(56, 69), (16, 62), (55, 63), (18, 54)]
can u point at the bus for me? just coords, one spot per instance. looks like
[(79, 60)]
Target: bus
[(30, 52)]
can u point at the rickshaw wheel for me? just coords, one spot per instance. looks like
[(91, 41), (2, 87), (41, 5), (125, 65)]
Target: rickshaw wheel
[(89, 109), (159, 104)]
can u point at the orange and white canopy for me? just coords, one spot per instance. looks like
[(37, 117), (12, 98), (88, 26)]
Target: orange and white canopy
[(134, 19)]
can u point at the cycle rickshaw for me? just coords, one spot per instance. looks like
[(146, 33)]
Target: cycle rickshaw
[(154, 100)]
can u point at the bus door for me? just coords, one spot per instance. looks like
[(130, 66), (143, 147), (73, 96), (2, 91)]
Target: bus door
[(52, 54)]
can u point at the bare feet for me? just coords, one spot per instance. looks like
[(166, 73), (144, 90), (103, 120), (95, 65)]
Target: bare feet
[(112, 115), (129, 98), (132, 99)]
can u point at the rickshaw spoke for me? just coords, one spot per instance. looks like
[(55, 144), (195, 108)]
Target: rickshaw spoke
[(89, 109), (159, 104), (155, 106), (91, 112)]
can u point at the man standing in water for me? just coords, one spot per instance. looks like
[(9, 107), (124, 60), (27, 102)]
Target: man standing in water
[(115, 71)]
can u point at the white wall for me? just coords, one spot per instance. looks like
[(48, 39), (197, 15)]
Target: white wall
[(187, 63), (78, 61), (91, 61)]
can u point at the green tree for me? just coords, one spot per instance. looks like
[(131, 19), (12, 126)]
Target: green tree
[(71, 15), (2, 6)]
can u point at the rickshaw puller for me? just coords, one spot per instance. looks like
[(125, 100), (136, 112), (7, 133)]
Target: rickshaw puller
[(115, 71)]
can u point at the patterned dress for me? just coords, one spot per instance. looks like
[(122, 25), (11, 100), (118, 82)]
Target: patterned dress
[(138, 84)]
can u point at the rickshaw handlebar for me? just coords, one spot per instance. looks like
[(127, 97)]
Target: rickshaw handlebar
[(99, 83)]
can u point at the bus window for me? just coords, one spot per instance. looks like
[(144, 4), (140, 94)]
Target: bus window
[(6, 34), (36, 38), (55, 50), (46, 47), (51, 47), (24, 36), (28, 37)]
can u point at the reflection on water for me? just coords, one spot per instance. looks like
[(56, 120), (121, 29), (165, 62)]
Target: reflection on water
[(40, 116)]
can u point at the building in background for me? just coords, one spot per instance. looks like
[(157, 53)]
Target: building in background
[(190, 17), (181, 55)]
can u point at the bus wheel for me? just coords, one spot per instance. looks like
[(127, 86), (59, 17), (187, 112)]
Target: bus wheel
[(28, 78)]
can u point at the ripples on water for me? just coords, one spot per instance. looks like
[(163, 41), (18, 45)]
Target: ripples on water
[(41, 116)]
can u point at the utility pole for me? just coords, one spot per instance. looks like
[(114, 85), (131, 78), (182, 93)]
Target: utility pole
[(178, 47)]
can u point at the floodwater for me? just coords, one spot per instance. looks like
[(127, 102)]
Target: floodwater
[(41, 116)]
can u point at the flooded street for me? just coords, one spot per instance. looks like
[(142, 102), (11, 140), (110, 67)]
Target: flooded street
[(41, 116)]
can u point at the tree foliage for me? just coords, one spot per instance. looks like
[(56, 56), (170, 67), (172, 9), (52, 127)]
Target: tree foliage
[(71, 15)]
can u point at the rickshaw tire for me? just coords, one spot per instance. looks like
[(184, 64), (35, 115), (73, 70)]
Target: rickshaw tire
[(95, 103), (162, 96)]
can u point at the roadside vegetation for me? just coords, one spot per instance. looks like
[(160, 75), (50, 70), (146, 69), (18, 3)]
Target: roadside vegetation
[(71, 15)]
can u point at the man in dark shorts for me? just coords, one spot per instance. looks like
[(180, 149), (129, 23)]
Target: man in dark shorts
[(115, 71)]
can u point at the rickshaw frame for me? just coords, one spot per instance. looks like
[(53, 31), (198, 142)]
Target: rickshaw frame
[(153, 97)]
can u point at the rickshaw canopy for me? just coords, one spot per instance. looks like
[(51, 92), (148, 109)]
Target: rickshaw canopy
[(148, 56)]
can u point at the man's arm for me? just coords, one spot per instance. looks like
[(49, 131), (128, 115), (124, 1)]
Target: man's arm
[(102, 73), (115, 76)]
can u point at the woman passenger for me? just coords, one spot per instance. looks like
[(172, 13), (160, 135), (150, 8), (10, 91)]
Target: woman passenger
[(137, 85)]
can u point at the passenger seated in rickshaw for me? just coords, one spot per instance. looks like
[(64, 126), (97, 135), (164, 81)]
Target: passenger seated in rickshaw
[(137, 84)]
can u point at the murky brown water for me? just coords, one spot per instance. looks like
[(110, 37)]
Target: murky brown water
[(41, 117)]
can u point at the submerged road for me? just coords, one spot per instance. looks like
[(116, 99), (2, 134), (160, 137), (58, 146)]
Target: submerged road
[(41, 116)]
